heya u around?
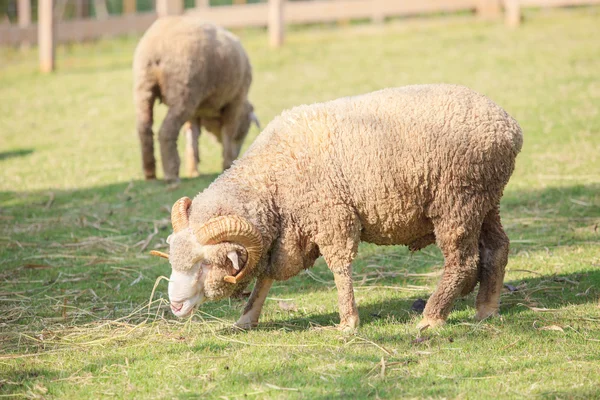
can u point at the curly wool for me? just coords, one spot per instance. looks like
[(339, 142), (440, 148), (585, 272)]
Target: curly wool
[(202, 73), (412, 165)]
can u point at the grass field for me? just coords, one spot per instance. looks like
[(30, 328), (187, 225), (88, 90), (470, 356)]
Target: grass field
[(78, 315)]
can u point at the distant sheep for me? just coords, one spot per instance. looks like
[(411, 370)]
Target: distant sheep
[(415, 165), (202, 73)]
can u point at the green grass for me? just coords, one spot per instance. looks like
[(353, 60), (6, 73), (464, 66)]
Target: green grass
[(77, 220)]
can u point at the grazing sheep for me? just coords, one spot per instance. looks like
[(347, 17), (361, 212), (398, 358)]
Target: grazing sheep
[(415, 165), (202, 73)]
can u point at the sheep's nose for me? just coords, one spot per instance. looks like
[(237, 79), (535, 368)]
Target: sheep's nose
[(176, 306)]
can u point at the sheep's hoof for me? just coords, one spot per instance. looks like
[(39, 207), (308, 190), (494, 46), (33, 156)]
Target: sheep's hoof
[(172, 181), (172, 186), (150, 177), (349, 325), (484, 312), (245, 323), (430, 323)]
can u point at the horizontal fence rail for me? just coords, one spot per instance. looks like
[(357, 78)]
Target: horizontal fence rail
[(239, 16), (80, 30), (274, 14)]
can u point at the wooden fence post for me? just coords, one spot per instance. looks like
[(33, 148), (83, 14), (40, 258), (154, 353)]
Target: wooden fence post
[(488, 9), (378, 14), (512, 11), (276, 24), (129, 6), (24, 15), (82, 9), (46, 35), (101, 9), (169, 7)]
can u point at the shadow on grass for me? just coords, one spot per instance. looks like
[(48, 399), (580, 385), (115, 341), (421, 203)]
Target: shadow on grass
[(547, 292), (29, 382), (552, 217), (53, 230), (5, 155)]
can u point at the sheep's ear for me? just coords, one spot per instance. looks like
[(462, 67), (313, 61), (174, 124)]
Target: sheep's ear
[(235, 259)]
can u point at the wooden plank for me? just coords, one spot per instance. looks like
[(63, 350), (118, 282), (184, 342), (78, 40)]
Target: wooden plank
[(488, 9), (12, 35), (378, 13), (249, 15), (59, 9), (129, 6), (512, 11), (24, 16), (89, 29), (299, 12), (46, 35), (169, 7), (276, 23), (256, 15), (328, 11), (24, 13), (557, 3), (101, 9), (82, 29)]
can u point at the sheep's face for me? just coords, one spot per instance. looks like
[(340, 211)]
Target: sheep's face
[(198, 271), (208, 261)]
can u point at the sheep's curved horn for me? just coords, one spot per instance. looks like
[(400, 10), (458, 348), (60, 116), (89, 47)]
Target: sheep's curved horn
[(159, 254), (233, 229), (179, 214)]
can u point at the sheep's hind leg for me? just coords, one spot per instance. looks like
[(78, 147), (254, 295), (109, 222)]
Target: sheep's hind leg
[(144, 100), (249, 318), (461, 254), (493, 256), (167, 136), (192, 153)]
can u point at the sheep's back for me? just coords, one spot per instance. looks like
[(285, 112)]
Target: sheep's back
[(395, 156), (184, 55)]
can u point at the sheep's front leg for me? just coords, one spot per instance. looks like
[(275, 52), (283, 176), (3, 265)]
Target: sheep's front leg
[(349, 319), (338, 238), (229, 130), (192, 153), (249, 318)]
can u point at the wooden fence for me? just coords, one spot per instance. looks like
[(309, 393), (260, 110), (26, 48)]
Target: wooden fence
[(274, 14)]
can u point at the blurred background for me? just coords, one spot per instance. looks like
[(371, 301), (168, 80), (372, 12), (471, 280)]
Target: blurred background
[(77, 219), (79, 20)]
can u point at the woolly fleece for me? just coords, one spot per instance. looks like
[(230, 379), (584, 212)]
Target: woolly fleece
[(414, 165), (202, 73)]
